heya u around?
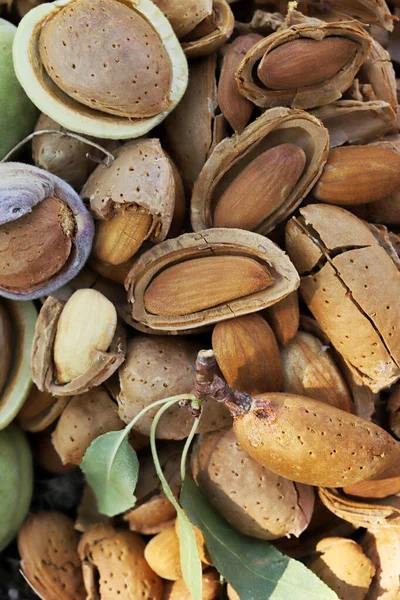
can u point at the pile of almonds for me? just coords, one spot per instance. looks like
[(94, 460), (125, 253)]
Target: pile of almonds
[(209, 205)]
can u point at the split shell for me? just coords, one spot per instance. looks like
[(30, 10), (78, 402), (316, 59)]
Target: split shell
[(223, 21), (211, 242), (308, 96), (40, 410), (253, 499), (68, 112), (232, 155), (181, 15), (104, 364)]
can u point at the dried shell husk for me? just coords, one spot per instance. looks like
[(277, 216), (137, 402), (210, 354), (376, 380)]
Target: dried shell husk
[(48, 544), (22, 188), (40, 410), (374, 12), (43, 369), (343, 566), (190, 131), (181, 15), (16, 482), (276, 126), (383, 548), (359, 315), (153, 511), (157, 367), (211, 242), (86, 417), (353, 122), (309, 370), (63, 156), (380, 514), (71, 113), (141, 176), (22, 316), (308, 96), (378, 71), (222, 24), (114, 565), (251, 498), (383, 485), (18, 114)]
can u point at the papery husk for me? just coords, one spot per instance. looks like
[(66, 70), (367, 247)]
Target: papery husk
[(142, 176), (374, 12), (43, 368), (153, 511), (382, 546), (209, 243), (211, 42), (189, 132), (181, 15), (261, 22), (68, 112), (40, 410), (354, 122), (383, 485), (380, 514), (308, 96), (378, 70), (274, 127)]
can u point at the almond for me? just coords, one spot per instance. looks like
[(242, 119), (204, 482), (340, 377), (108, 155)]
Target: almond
[(202, 283), (177, 590), (163, 554), (284, 318), (87, 324), (273, 176), (358, 175), (47, 543), (248, 354), (305, 62)]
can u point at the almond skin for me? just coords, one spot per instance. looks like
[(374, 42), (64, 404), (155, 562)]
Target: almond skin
[(305, 62), (203, 283), (248, 354), (273, 175), (36, 247), (358, 175), (284, 318), (303, 440)]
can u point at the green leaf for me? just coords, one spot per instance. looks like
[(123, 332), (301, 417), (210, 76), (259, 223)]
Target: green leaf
[(189, 554), (111, 467), (254, 568)]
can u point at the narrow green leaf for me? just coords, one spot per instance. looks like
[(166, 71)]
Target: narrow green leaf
[(254, 568), (111, 468), (189, 554)]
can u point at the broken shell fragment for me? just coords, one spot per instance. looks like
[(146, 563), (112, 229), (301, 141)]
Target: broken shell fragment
[(382, 546), (77, 345), (253, 499), (211, 33), (210, 296), (40, 410), (60, 229), (85, 89), (283, 152)]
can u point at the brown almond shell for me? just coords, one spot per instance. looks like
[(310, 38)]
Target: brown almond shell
[(307, 96), (358, 314), (211, 242), (378, 71), (355, 122), (232, 155), (382, 546), (181, 15), (224, 24), (40, 410), (42, 364)]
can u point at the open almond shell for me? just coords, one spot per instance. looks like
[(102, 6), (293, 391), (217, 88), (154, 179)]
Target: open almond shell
[(181, 15), (232, 155), (211, 242), (209, 43), (42, 364), (40, 410), (67, 111), (308, 96)]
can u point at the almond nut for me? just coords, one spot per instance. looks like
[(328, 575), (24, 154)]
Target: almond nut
[(284, 318), (358, 175), (163, 554), (305, 62), (273, 175), (177, 590)]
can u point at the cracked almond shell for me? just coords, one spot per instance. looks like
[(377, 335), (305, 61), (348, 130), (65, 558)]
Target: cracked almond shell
[(344, 281), (309, 96), (383, 548), (44, 40), (209, 243), (40, 410), (114, 565), (253, 499), (217, 29), (47, 543), (157, 367), (181, 15), (103, 362), (232, 155)]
